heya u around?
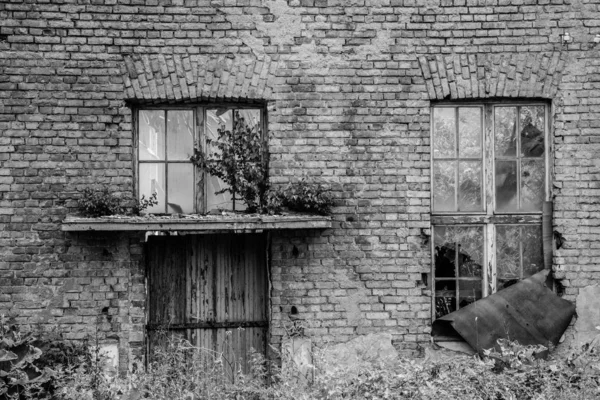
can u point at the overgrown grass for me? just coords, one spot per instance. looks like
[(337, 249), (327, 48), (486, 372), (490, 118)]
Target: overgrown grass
[(182, 371)]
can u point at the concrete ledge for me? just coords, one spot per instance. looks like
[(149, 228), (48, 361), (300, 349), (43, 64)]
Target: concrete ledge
[(200, 223)]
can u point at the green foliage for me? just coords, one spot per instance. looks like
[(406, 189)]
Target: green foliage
[(238, 160), (306, 197), (181, 371), (144, 203), (99, 203)]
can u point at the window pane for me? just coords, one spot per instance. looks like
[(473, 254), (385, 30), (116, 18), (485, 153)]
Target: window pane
[(180, 134), (469, 131), (151, 134), (152, 180), (221, 118), (217, 201), (469, 190), (181, 189), (533, 252), (532, 131), (469, 242), (444, 185), (519, 253), (251, 118), (506, 186), (532, 185), (444, 305), (444, 132), (508, 257), (505, 131), (468, 292)]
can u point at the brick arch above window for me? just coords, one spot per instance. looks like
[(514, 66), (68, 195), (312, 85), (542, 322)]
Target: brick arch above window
[(477, 76), (159, 78)]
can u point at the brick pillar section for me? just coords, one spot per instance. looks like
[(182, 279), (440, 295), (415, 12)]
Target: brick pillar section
[(348, 87)]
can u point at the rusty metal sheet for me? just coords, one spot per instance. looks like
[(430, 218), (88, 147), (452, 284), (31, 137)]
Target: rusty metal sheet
[(527, 312)]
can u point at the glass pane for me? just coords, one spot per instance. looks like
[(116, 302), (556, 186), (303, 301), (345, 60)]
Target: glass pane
[(469, 242), (469, 190), (219, 119), (508, 259), (468, 292), (444, 132), (444, 185), (214, 201), (532, 185), (181, 189), (444, 305), (251, 118), (505, 127), (152, 180), (180, 134), (533, 252), (151, 126), (469, 131), (531, 119), (506, 186)]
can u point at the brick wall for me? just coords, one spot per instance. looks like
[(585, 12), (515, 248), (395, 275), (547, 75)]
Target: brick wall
[(349, 107)]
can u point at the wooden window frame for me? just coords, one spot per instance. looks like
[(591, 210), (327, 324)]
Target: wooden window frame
[(488, 218), (199, 117)]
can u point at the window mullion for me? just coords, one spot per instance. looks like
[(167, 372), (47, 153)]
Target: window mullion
[(166, 142), (489, 269)]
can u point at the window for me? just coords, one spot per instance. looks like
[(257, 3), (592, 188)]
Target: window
[(490, 182), (166, 140)]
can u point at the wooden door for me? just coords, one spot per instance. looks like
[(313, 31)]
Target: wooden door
[(211, 289)]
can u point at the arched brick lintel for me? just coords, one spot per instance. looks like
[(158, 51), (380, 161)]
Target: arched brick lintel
[(159, 78), (476, 76)]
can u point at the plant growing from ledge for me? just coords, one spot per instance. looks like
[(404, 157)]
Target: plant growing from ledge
[(100, 203), (238, 158)]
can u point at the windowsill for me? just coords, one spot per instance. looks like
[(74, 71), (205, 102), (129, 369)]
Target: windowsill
[(227, 222)]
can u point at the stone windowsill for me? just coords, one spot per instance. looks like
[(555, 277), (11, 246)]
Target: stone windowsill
[(226, 222)]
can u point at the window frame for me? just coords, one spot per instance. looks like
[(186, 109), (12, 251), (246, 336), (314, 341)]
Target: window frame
[(488, 218), (199, 110)]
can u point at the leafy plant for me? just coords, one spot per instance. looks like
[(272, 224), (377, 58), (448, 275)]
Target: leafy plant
[(306, 197), (144, 203), (98, 203)]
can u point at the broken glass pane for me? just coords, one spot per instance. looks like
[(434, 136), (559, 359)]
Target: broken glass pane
[(444, 305), (469, 190), (180, 134), (508, 257), (151, 135), (444, 132), (468, 240), (444, 185), (469, 131), (219, 119), (505, 131), (468, 292), (506, 186), (532, 131), (181, 188), (152, 180), (533, 253), (532, 185), (251, 118), (220, 201)]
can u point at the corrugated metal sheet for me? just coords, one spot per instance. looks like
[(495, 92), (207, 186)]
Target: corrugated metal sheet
[(527, 312)]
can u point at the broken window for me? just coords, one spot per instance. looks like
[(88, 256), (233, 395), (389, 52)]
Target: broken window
[(489, 184), (166, 140)]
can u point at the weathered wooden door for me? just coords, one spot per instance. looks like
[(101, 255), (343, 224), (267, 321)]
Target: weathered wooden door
[(210, 288)]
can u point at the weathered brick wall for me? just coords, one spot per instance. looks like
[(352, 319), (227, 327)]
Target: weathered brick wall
[(349, 108)]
